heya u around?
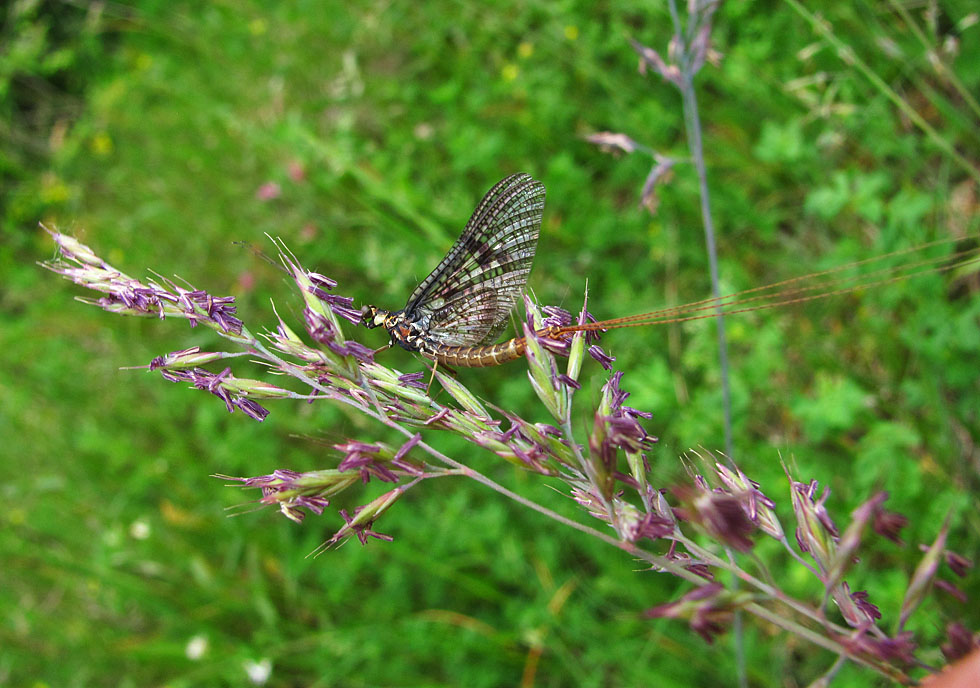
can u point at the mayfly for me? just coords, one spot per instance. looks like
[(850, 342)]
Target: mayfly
[(456, 314)]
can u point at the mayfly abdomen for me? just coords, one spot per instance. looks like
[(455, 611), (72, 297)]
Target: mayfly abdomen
[(474, 356)]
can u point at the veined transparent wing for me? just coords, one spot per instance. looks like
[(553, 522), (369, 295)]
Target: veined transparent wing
[(465, 301)]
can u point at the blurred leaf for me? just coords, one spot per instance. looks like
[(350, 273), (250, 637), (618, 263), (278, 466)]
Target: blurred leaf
[(834, 406)]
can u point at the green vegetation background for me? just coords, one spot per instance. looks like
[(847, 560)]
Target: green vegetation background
[(148, 129)]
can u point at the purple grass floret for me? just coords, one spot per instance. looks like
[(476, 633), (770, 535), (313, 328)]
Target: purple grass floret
[(722, 515), (364, 458), (604, 359), (591, 336), (319, 327), (957, 563), (623, 430), (708, 609), (362, 531), (546, 429), (658, 173), (351, 348), (559, 347), (175, 375), (568, 382), (650, 59), (889, 524), (899, 649), (222, 385), (291, 491), (610, 141), (959, 642), (438, 417), (860, 598), (951, 590), (923, 576), (617, 395), (413, 380), (555, 316), (169, 359), (252, 409), (407, 447), (652, 527), (322, 281), (341, 305), (507, 434), (816, 530), (361, 523), (758, 507)]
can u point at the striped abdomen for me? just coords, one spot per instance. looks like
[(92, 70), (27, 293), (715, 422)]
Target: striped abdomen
[(474, 356)]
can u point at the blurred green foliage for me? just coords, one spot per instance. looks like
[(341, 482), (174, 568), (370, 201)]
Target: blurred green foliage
[(147, 130)]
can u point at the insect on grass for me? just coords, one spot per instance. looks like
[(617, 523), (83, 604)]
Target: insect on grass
[(456, 314)]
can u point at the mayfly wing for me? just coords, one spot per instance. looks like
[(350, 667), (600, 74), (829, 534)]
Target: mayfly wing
[(465, 301)]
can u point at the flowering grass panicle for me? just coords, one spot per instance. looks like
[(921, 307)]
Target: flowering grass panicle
[(695, 530)]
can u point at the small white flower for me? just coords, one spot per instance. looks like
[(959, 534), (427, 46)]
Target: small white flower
[(196, 647), (139, 530), (258, 672)]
